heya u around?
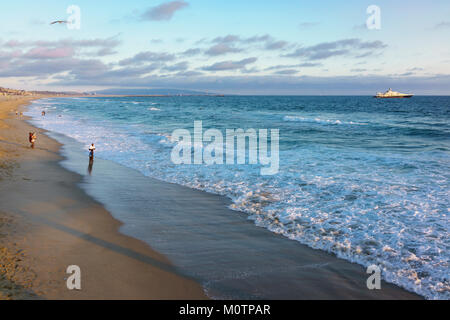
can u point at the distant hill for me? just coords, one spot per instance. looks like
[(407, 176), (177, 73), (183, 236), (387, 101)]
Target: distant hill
[(138, 92)]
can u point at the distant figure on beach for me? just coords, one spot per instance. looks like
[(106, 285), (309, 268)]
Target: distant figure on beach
[(43, 113), (32, 138), (91, 152), (21, 114), (17, 113)]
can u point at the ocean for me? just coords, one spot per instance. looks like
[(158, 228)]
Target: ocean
[(365, 179)]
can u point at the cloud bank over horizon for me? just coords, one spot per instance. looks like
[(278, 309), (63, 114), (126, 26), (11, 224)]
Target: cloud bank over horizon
[(255, 63)]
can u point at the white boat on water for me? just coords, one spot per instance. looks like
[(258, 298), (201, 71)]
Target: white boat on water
[(392, 94)]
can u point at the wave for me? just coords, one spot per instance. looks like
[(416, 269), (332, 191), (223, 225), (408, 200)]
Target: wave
[(321, 121)]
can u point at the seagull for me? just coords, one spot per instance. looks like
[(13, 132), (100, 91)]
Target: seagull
[(59, 21)]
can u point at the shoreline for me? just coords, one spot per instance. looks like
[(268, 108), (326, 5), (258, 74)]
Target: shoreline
[(48, 223), (318, 275)]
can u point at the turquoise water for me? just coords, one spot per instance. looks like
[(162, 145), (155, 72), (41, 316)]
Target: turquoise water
[(365, 179)]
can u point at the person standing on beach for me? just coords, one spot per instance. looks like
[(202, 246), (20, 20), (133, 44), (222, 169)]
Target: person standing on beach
[(43, 113), (32, 138)]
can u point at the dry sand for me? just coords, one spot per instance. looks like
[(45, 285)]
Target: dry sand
[(47, 223)]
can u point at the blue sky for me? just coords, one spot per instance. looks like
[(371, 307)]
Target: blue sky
[(248, 47)]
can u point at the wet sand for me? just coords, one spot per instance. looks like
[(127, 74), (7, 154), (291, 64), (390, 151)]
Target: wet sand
[(47, 223)]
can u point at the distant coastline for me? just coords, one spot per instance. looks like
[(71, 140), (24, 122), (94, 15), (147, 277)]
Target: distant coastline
[(7, 92)]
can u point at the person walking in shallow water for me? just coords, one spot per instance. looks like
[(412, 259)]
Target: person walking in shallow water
[(91, 151), (91, 158)]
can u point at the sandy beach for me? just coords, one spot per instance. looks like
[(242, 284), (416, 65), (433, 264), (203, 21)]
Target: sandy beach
[(47, 223)]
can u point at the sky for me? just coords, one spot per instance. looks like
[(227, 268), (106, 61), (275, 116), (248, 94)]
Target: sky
[(232, 47)]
